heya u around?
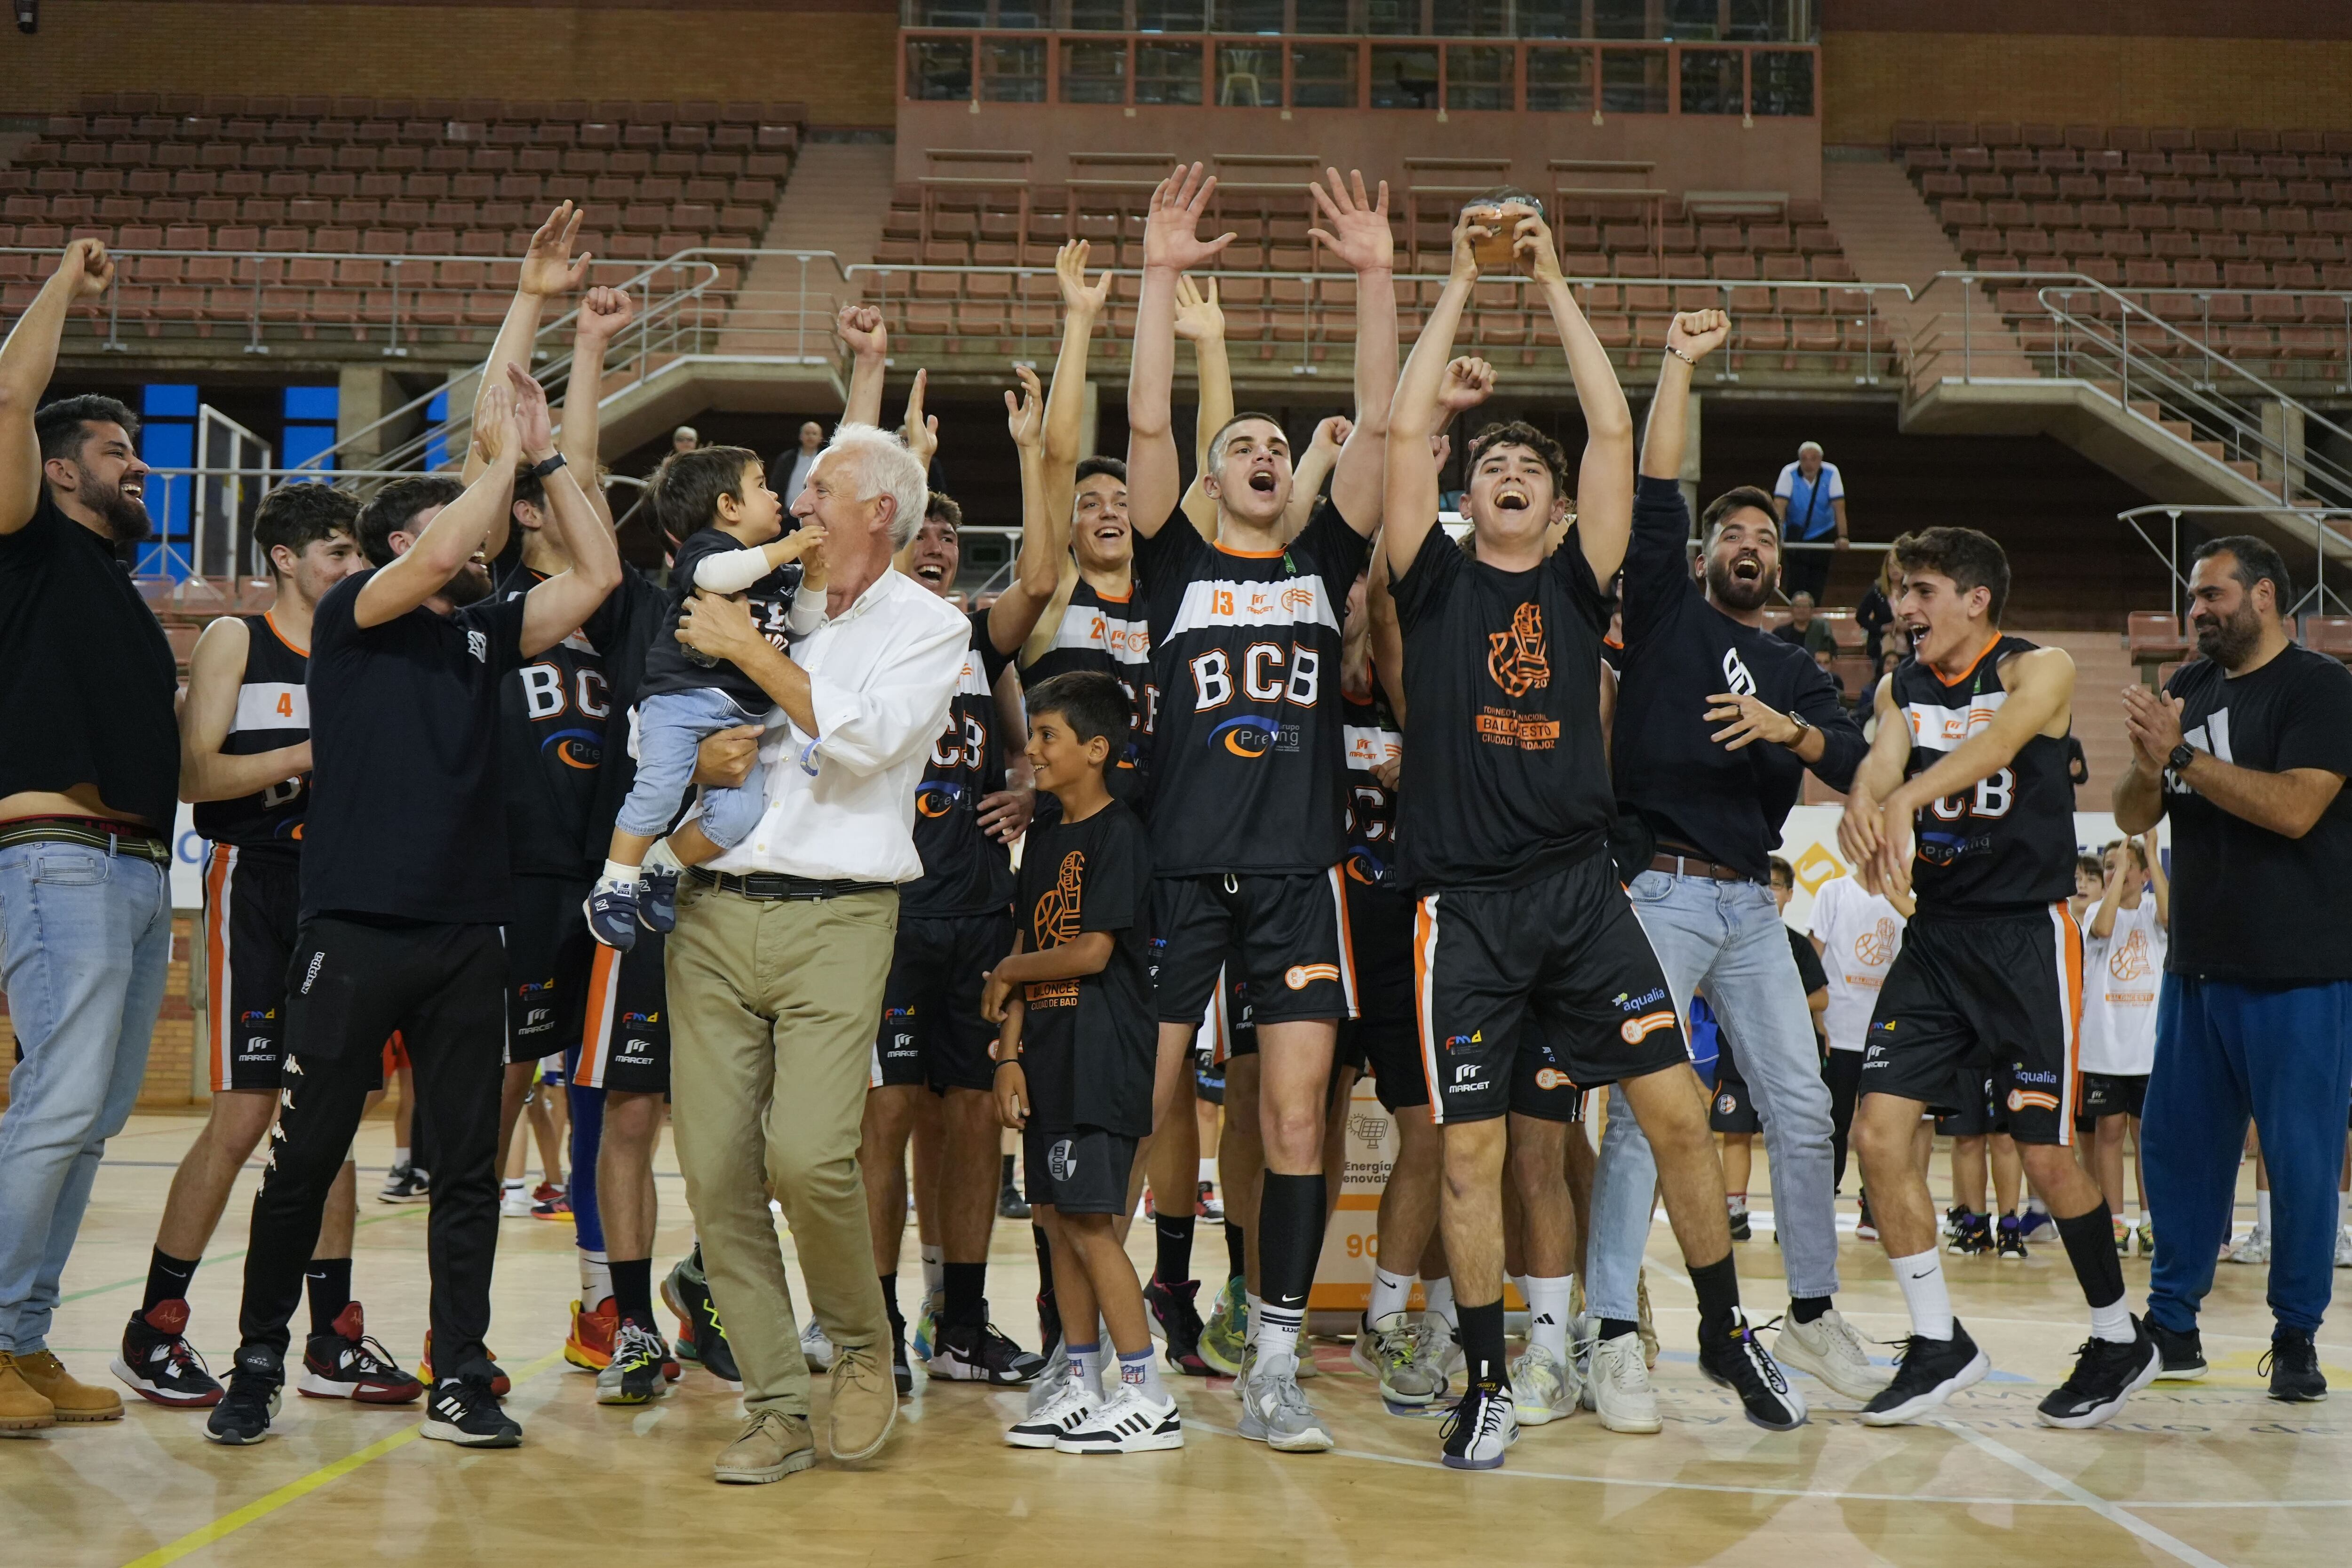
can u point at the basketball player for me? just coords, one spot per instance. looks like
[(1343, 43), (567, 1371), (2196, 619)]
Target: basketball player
[(244, 761), (1248, 828), (1971, 743), (1506, 812), (1719, 722)]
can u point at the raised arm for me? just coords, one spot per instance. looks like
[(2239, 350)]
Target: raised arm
[(549, 268), (1200, 322), (2103, 919), (1415, 414), (27, 361), (1357, 231), (1604, 479), (1082, 307), (603, 313), (861, 328), (1388, 635), (2159, 886), (1690, 337), (1172, 246), (1036, 570), (556, 608), (1314, 465), (457, 530), (215, 672), (920, 432)]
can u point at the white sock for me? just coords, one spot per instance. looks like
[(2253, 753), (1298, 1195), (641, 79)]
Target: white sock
[(595, 1280), (616, 875), (1390, 1294), (1547, 1303), (1277, 1347), (1209, 1169), (2343, 1208), (1256, 1316), (935, 1269), (513, 1187), (1921, 1275), (2262, 1211), (1437, 1296), (2113, 1322), (662, 858), (1141, 1371), (399, 1158), (1088, 1361)]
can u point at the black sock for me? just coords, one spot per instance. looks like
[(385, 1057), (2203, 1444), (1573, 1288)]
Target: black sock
[(167, 1278), (966, 1292), (1482, 1344), (1612, 1328), (890, 1305), (1289, 1238), (1006, 1179), (1237, 1251), (1175, 1256), (1717, 1285), (2090, 1241), (1805, 1308), (329, 1280), (633, 1290), (1044, 1260)]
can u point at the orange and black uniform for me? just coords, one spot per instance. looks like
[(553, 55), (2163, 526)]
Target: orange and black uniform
[(1098, 632)]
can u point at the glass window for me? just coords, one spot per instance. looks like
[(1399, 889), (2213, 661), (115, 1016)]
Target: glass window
[(1013, 70), (1323, 76), (939, 68), (1167, 73), (1321, 15), (1769, 21), (1782, 80), (1470, 18), (1621, 19), (1711, 83), (1094, 72), (1394, 17), (1477, 76), (1169, 16), (1690, 20), (947, 14), (1098, 16), (1247, 17), (1551, 18), (1024, 14), (1633, 81), (1249, 76), (1404, 76), (1561, 79)]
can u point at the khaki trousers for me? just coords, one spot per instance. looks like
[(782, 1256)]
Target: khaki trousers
[(773, 1007)]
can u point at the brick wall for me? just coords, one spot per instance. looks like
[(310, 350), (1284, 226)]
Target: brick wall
[(835, 56), (171, 1058), (1871, 79)]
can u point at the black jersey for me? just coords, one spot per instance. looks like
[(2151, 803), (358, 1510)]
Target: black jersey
[(670, 666), (2006, 844), (1504, 777), (1248, 755), (1373, 740), (273, 711), (552, 716), (965, 872), (1088, 1045), (1112, 636)]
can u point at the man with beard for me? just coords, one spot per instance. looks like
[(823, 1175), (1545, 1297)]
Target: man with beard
[(89, 768), (401, 927), (1721, 718), (2248, 749)]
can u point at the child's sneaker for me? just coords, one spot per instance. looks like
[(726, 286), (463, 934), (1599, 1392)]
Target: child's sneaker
[(1072, 1405), (1129, 1422), (612, 913), (658, 908)]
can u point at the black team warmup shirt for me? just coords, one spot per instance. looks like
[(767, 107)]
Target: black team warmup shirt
[(668, 667), (554, 714), (1088, 1046), (965, 872), (1679, 651)]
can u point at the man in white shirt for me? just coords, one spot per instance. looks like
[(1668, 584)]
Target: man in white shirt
[(1857, 933), (782, 943), (1810, 497), (2123, 946)]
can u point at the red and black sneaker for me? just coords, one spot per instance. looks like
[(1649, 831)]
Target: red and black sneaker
[(345, 1363), (1178, 1322), (159, 1362)]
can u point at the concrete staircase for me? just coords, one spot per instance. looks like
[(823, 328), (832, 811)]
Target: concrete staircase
[(1890, 236)]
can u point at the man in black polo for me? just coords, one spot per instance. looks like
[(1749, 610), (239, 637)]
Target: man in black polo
[(401, 924)]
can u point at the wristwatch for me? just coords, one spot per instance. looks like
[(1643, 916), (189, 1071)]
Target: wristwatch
[(1799, 739), (2180, 756), (547, 466)]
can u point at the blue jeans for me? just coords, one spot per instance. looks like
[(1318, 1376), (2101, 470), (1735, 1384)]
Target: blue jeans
[(1729, 938), (2225, 1051), (670, 725), (84, 940)]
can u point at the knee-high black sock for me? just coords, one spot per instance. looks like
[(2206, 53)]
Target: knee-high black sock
[(1174, 1264), (1237, 1251), (890, 1303), (1482, 1345), (1049, 1314), (167, 1279), (967, 1291), (633, 1290), (330, 1282), (1718, 1286), (1289, 1238), (2090, 1241)]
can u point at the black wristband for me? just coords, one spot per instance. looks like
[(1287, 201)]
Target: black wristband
[(540, 470), (1006, 1062)]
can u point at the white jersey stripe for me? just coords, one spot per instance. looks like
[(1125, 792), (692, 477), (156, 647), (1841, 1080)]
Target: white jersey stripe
[(1936, 728), (1284, 602), (1086, 627), (271, 705)]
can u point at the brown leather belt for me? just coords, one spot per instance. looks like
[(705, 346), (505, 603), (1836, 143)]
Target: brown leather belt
[(1692, 866), (769, 886)]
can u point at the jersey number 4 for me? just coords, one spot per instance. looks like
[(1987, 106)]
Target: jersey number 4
[(1265, 677)]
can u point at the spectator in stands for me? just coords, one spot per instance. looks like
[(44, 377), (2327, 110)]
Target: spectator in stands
[(1810, 500), (1804, 628), (1886, 661), (685, 438), (90, 779), (1876, 610), (795, 464)]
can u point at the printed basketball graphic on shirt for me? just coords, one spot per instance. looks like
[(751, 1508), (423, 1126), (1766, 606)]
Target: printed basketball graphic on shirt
[(1057, 912), (2130, 961), (1875, 947), (1519, 659)]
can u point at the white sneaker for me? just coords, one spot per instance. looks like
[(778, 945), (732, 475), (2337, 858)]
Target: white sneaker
[(815, 1349), (514, 1202), (2255, 1246), (1829, 1348), (1390, 1351), (1480, 1431), (1129, 1422), (1542, 1390), (1621, 1386), (1047, 1387), (2344, 1247), (1072, 1404), (1445, 1345), (1275, 1413)]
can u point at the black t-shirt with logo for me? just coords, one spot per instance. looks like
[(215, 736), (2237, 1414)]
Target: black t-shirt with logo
[(1679, 651), (273, 711), (669, 667), (553, 714), (407, 812), (1503, 779), (1088, 1046), (1247, 771), (965, 872), (2249, 904)]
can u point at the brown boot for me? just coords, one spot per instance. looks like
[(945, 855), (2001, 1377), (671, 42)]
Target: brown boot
[(47, 1376), (773, 1445), (865, 1402), (22, 1407)]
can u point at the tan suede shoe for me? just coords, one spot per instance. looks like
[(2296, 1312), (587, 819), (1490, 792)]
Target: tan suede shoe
[(23, 1408), (865, 1402), (770, 1446), (47, 1377)]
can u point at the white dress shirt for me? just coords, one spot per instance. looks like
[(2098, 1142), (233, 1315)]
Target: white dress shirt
[(841, 804)]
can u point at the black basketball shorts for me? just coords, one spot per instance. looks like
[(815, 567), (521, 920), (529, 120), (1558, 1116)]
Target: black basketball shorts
[(1079, 1170), (2112, 1094), (1998, 994), (1733, 1111), (548, 955), (252, 903), (1380, 924), (932, 1032), (1565, 951), (624, 1037), (1285, 937)]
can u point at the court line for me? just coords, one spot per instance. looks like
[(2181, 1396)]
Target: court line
[(262, 1507), (407, 1212), (2113, 1513)]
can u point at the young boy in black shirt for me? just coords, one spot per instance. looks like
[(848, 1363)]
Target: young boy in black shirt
[(1075, 1062)]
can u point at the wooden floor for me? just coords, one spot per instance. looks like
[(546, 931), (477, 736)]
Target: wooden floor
[(2202, 1474)]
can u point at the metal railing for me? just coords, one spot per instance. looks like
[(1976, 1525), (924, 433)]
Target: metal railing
[(2326, 524)]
